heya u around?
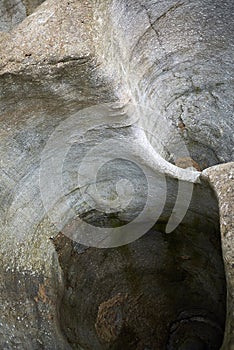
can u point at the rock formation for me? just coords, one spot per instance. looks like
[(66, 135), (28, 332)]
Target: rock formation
[(116, 175)]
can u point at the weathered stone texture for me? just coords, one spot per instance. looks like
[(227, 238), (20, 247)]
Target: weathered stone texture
[(222, 179), (152, 75), (12, 12)]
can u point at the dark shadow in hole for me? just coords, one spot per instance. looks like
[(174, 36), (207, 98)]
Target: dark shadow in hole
[(163, 291)]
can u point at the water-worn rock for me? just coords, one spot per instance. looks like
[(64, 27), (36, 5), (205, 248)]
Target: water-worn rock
[(144, 88), (222, 178)]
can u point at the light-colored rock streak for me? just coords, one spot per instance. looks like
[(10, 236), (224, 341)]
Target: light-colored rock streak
[(136, 149)]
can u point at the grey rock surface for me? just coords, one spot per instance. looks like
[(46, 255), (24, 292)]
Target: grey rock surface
[(222, 178), (150, 80), (12, 12)]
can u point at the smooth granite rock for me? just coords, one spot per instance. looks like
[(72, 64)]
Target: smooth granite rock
[(113, 236), (222, 178)]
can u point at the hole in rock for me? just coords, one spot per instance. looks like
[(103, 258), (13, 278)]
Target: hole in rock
[(163, 291)]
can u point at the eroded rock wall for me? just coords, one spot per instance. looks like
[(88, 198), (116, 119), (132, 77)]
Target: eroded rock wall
[(119, 67)]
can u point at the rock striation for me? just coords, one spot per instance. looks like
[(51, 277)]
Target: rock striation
[(116, 176)]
